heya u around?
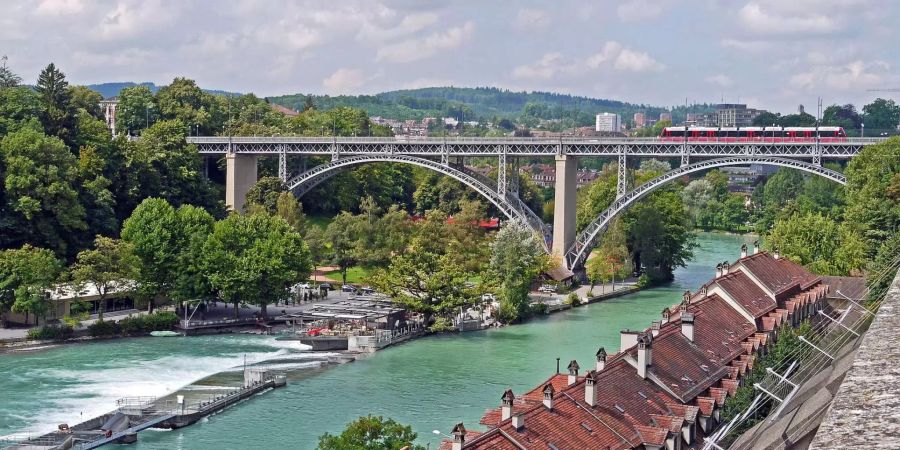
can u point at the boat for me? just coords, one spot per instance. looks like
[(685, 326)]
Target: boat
[(164, 333)]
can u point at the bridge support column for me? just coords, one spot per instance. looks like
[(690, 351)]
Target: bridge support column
[(240, 176), (564, 204)]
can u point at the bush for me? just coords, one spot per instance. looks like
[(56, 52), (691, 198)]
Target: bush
[(441, 324), (50, 332), (160, 321), (538, 309), (103, 328), (573, 300), (132, 325), (643, 281)]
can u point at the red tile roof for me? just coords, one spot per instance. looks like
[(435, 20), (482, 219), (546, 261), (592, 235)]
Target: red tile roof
[(778, 275), (746, 293), (706, 405), (652, 435)]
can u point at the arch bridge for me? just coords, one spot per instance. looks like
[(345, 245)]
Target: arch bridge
[(447, 156)]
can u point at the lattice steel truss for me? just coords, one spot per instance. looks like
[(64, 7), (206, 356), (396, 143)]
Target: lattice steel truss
[(584, 241), (444, 147), (508, 203)]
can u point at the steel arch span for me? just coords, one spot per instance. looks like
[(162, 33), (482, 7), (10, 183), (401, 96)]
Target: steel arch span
[(585, 240), (511, 206)]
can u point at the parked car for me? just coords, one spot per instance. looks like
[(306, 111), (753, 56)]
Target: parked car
[(326, 285), (367, 290), (547, 288), (348, 288)]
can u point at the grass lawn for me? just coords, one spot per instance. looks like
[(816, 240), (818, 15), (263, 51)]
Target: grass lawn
[(320, 221), (355, 275)]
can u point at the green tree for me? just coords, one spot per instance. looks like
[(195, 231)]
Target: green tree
[(611, 260), (516, 259), (137, 109), (882, 114), (152, 230), (288, 208), (766, 119), (110, 264), (191, 282), (57, 115), (39, 176), (844, 116), (371, 433), (659, 233), (184, 101), (86, 99), (7, 78), (26, 274), (265, 193), (19, 107), (873, 203), (254, 259), (339, 237)]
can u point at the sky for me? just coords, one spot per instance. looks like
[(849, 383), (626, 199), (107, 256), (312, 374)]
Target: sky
[(770, 54)]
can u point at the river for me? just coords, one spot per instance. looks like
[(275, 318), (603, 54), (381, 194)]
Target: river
[(430, 383)]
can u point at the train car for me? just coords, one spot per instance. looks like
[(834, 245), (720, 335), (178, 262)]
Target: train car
[(753, 134)]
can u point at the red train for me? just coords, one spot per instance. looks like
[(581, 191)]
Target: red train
[(753, 134)]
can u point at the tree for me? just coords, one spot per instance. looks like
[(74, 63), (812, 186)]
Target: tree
[(152, 230), (288, 208), (611, 260), (882, 114), (26, 274), (7, 78), (425, 281), (809, 239), (254, 259), (873, 207), (766, 119), (86, 99), (655, 165), (842, 116), (371, 433), (516, 259), (659, 233), (137, 109), (191, 282), (265, 193), (57, 115), (339, 235), (40, 172), (110, 264), (184, 101)]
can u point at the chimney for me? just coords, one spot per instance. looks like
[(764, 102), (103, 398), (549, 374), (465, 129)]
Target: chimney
[(573, 372), (601, 359), (459, 436), (654, 327), (687, 296), (665, 315), (645, 355), (725, 267), (687, 325), (755, 247), (744, 251), (518, 422), (718, 270), (776, 255), (590, 389), (506, 404), (548, 395), (683, 307), (704, 291)]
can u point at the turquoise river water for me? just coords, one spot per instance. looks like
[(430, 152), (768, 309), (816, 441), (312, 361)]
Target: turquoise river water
[(430, 383)]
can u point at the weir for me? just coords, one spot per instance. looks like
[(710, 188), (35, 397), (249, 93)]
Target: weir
[(135, 414)]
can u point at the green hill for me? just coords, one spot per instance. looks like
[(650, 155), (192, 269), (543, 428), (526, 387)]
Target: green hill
[(480, 104)]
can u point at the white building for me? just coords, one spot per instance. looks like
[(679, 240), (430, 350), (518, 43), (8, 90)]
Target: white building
[(609, 122)]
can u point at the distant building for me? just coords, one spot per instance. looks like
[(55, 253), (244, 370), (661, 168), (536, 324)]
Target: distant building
[(284, 110), (665, 116), (109, 107), (639, 120), (544, 175), (608, 122), (725, 115)]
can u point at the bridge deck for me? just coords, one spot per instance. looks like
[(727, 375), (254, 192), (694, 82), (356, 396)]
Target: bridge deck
[(587, 146)]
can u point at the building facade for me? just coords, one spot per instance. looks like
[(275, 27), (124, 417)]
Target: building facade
[(608, 122)]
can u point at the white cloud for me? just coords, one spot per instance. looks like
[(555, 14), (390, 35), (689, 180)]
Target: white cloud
[(59, 7), (409, 24), (853, 76), (416, 49), (800, 17), (344, 80), (532, 19), (633, 61), (721, 80), (612, 55), (642, 10)]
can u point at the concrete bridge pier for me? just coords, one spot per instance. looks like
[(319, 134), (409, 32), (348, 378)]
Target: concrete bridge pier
[(564, 204), (240, 176)]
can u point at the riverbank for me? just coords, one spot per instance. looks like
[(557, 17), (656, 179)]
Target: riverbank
[(429, 383)]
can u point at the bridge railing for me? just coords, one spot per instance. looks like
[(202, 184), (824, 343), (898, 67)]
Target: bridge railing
[(511, 140)]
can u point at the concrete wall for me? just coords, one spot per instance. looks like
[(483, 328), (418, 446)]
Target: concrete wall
[(866, 409), (240, 176), (564, 204)]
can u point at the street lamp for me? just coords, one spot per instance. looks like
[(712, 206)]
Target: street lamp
[(862, 130)]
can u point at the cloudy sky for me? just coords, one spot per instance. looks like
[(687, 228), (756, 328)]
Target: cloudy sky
[(772, 54)]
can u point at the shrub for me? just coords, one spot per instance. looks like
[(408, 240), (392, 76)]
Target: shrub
[(441, 324), (50, 332), (643, 281), (132, 325), (537, 309), (103, 328), (573, 300), (160, 321)]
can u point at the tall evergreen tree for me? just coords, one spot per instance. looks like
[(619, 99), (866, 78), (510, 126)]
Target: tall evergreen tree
[(54, 91), (7, 78)]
